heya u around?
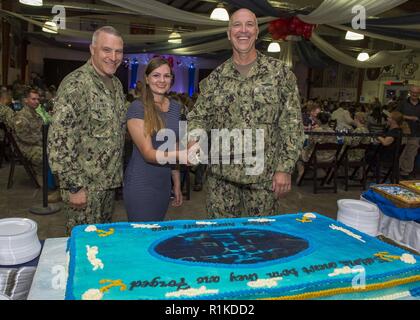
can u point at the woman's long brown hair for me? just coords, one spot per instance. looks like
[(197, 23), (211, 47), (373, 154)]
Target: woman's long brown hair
[(153, 122)]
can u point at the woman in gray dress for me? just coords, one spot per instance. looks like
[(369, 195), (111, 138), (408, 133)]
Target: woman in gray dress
[(147, 180)]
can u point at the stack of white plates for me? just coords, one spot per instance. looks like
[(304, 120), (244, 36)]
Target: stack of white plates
[(19, 241), (359, 215), (4, 297)]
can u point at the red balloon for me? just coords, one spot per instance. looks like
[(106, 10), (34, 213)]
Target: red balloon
[(307, 27), (292, 27), (307, 34)]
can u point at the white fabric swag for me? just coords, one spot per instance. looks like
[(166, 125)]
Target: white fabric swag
[(128, 38), (164, 11), (286, 53), (340, 11), (380, 59)]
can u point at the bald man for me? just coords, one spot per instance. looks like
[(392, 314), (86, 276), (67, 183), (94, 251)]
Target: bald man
[(257, 92)]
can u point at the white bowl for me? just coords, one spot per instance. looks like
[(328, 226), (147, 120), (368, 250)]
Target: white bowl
[(19, 241)]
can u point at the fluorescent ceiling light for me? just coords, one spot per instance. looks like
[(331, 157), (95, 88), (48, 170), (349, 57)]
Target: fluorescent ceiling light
[(354, 36), (175, 37), (220, 13), (363, 56), (274, 47), (50, 27), (37, 3)]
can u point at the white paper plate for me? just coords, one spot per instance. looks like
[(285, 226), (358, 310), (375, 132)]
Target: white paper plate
[(357, 206), (19, 241), (15, 227)]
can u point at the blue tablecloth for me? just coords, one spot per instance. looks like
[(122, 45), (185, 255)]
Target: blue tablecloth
[(391, 210)]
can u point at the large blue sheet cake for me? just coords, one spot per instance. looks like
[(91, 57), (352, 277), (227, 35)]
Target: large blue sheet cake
[(294, 256)]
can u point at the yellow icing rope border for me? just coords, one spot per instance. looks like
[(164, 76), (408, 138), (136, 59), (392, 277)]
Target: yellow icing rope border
[(331, 292)]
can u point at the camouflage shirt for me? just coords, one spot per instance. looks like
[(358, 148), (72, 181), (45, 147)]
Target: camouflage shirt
[(266, 99), (27, 126), (322, 155), (357, 155), (6, 115), (86, 136)]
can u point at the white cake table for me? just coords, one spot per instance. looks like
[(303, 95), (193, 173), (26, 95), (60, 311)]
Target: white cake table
[(50, 278), (405, 233)]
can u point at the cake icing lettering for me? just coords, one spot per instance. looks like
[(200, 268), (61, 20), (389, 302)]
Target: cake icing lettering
[(262, 220), (360, 261), (208, 279), (191, 292), (254, 223), (157, 282), (284, 273), (264, 283), (243, 277), (145, 226), (319, 267), (165, 228), (92, 253), (348, 232)]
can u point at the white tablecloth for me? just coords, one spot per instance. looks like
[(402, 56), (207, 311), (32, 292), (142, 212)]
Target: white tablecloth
[(50, 278), (405, 233)]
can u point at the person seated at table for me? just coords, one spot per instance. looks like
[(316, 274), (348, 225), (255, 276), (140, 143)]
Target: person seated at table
[(310, 118), (322, 156), (360, 120), (388, 142), (343, 118)]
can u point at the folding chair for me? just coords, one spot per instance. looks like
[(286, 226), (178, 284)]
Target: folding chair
[(390, 165), (356, 165), (18, 158), (3, 144), (313, 164)]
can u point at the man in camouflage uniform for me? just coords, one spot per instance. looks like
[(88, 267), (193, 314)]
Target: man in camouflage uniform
[(250, 91), (86, 137), (27, 130)]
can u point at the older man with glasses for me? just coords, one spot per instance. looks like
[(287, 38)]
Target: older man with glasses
[(410, 108)]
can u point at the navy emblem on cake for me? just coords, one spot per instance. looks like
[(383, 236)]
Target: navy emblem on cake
[(240, 246)]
